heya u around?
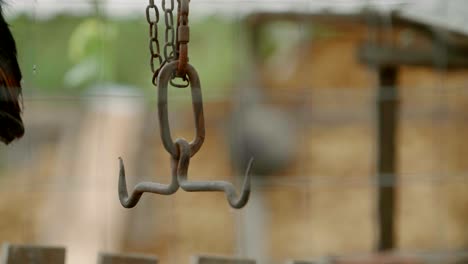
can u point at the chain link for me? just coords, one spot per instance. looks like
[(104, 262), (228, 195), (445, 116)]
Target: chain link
[(183, 37), (176, 39), (170, 46), (152, 16)]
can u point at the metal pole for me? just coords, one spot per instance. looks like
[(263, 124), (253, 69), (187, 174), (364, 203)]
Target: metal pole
[(387, 107)]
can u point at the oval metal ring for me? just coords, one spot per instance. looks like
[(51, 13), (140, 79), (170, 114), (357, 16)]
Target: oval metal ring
[(165, 76)]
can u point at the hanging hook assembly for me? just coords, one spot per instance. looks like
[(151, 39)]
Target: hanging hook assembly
[(180, 150)]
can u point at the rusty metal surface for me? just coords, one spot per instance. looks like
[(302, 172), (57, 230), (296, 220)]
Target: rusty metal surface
[(27, 254), (176, 38), (183, 37)]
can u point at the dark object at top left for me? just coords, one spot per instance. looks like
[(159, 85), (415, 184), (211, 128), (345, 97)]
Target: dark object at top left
[(11, 124)]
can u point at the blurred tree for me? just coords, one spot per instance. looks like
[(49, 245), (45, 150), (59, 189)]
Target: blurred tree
[(92, 51), (65, 54)]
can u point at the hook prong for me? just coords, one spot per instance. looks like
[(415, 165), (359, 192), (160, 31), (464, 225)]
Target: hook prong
[(245, 193), (142, 187), (236, 201)]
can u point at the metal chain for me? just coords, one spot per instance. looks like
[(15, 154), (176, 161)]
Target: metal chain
[(175, 41), (170, 46), (175, 65), (183, 36), (152, 16), (182, 40)]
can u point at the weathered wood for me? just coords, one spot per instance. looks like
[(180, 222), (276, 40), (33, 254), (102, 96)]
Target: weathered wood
[(390, 56), (300, 262), (387, 119), (221, 260), (28, 254), (107, 258)]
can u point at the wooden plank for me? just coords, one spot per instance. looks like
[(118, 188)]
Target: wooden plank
[(221, 260), (27, 254), (107, 258)]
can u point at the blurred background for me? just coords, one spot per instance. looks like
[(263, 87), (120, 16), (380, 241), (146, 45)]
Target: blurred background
[(356, 113)]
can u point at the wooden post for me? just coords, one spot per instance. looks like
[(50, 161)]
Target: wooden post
[(221, 260), (106, 258), (387, 107), (26, 254)]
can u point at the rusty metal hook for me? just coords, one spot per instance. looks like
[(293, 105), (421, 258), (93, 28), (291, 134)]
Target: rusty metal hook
[(176, 65), (235, 200), (142, 187), (185, 84), (181, 151), (165, 76)]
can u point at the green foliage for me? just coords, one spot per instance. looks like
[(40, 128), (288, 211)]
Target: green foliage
[(212, 51), (66, 54), (91, 49)]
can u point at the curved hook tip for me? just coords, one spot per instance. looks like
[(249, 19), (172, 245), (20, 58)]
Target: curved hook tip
[(249, 166), (123, 192), (122, 180), (245, 195), (248, 173), (122, 173)]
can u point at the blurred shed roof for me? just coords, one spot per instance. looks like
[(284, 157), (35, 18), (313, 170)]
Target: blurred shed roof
[(451, 15)]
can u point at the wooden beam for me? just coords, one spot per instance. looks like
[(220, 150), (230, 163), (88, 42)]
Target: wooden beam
[(382, 56)]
